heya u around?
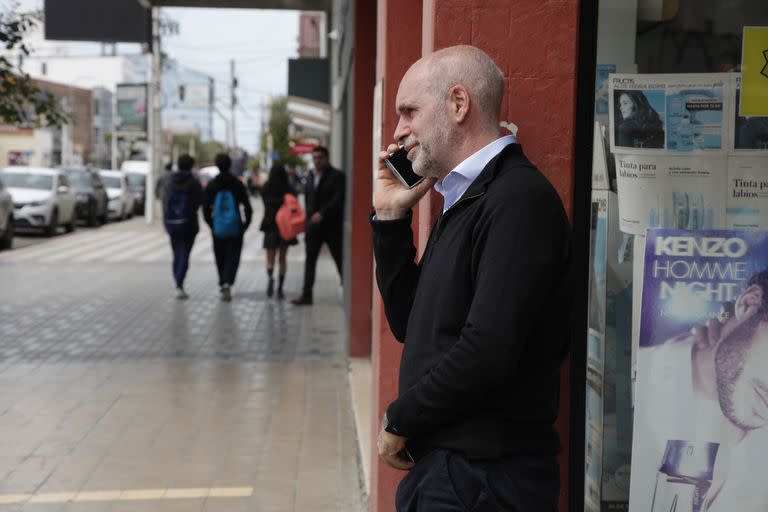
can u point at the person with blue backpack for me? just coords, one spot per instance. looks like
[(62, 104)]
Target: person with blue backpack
[(224, 196), (181, 196)]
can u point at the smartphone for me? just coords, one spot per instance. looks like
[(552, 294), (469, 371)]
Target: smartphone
[(401, 167)]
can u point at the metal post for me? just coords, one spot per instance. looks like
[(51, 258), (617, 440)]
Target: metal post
[(232, 103), (113, 142), (155, 128)]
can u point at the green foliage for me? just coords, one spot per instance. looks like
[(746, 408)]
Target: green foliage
[(279, 121), (22, 103)]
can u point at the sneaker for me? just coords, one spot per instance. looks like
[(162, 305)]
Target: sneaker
[(181, 294), (280, 294), (226, 295), (271, 287), (302, 301)]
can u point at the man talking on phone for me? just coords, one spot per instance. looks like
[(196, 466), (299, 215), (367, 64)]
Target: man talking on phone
[(484, 314)]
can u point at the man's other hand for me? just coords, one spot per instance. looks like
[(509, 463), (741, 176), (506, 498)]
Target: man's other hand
[(392, 451), (317, 218)]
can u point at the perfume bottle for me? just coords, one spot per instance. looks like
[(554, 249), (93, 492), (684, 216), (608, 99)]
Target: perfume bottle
[(684, 477), (685, 135)]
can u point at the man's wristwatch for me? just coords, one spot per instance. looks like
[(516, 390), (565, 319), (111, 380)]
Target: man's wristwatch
[(387, 426)]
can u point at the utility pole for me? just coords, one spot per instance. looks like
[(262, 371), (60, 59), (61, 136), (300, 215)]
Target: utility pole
[(232, 102), (155, 129), (113, 139)]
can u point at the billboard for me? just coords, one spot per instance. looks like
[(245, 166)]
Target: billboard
[(111, 21), (309, 78), (132, 108)]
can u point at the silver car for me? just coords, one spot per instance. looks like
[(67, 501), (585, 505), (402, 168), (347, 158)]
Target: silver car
[(120, 197), (6, 218), (42, 198)]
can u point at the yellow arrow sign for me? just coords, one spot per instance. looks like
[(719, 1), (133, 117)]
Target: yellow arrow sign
[(754, 72)]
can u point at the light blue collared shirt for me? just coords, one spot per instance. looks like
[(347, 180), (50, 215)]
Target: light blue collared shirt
[(453, 186)]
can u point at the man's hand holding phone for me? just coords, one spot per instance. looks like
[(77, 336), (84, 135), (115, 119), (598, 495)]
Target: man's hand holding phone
[(391, 198)]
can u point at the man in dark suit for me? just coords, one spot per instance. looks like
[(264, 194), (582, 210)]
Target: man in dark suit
[(324, 197)]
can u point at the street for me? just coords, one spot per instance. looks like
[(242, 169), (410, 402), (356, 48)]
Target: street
[(114, 396)]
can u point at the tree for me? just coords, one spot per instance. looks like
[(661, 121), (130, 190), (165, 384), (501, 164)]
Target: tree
[(279, 121), (21, 101)]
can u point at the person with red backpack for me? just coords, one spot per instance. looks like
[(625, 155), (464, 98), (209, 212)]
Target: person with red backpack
[(224, 196), (181, 196), (273, 194)]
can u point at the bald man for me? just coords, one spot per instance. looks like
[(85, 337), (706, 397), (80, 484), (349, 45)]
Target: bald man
[(484, 314)]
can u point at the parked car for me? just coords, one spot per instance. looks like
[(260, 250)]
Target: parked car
[(42, 198), (92, 201), (136, 172), (6, 218), (121, 200)]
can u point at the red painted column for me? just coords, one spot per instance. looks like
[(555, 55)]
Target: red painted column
[(535, 44), (398, 36), (360, 202)]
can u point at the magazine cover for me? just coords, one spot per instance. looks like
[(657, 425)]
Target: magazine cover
[(749, 133), (593, 441), (700, 438), (669, 114), (747, 206), (671, 192)]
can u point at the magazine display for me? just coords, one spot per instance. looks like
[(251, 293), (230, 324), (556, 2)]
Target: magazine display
[(684, 156)]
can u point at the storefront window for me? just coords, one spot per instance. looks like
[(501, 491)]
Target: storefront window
[(677, 342)]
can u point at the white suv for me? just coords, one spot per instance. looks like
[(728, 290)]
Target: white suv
[(119, 194), (42, 198)]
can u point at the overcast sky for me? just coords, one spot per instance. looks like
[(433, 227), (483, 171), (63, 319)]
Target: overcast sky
[(260, 42)]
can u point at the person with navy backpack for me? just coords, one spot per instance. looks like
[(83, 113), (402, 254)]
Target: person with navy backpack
[(224, 196), (181, 196)]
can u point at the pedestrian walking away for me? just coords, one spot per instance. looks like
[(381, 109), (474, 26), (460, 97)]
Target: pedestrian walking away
[(273, 194), (324, 200), (224, 197), (181, 198), (484, 313)]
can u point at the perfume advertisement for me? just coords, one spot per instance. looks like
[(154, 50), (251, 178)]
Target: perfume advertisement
[(700, 441), (671, 192), (669, 114)]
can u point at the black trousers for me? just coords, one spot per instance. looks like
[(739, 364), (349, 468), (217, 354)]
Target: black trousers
[(446, 481), (182, 248), (227, 252), (314, 239)]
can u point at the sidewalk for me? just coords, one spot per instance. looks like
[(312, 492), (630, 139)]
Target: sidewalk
[(116, 397)]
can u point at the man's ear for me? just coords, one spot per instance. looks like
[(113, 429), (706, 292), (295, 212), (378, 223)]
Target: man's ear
[(749, 302), (458, 101)]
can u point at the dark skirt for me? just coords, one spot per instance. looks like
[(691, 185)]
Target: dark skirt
[(272, 240)]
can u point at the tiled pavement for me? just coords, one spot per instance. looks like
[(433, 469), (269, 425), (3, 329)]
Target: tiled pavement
[(116, 397)]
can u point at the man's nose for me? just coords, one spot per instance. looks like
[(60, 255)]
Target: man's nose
[(402, 130)]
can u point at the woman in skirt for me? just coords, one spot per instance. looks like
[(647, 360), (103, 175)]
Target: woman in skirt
[(272, 194)]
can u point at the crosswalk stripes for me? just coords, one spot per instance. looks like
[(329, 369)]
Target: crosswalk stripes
[(120, 243)]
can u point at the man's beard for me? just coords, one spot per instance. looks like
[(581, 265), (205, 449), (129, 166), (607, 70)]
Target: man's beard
[(426, 162), (730, 359)]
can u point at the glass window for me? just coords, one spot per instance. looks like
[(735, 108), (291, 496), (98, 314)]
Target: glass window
[(677, 362), (112, 181), (27, 180), (82, 180)]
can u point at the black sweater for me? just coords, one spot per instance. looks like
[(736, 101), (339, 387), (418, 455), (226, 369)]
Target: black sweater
[(484, 316)]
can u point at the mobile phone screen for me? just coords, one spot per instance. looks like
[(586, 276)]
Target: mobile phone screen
[(401, 167)]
